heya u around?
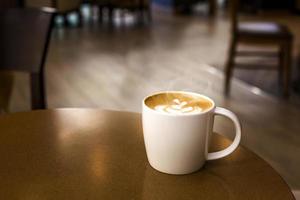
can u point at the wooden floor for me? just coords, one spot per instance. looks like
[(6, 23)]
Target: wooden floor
[(99, 67)]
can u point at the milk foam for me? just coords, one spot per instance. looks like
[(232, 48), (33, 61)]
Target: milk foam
[(178, 107)]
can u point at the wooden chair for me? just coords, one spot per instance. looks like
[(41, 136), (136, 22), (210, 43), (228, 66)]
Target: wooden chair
[(259, 33), (186, 6), (102, 4), (24, 39), (142, 6)]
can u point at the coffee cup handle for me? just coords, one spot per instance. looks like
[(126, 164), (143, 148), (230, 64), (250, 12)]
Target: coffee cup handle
[(220, 154)]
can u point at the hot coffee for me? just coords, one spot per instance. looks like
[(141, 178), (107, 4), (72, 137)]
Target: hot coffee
[(177, 126), (178, 103)]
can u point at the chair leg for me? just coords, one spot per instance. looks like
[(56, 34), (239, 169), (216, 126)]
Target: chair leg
[(6, 88), (287, 68), (80, 17), (141, 18), (230, 66), (212, 8), (38, 99), (149, 13), (281, 64), (101, 8), (123, 16), (110, 14), (66, 21)]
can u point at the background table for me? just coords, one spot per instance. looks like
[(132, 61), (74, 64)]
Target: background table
[(93, 154)]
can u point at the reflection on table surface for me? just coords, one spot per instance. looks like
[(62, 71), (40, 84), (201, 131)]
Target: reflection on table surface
[(51, 155)]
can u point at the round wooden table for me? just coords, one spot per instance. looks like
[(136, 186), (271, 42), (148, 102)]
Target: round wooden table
[(94, 154)]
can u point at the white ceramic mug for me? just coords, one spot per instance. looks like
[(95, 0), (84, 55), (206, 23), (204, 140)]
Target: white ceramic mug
[(178, 144)]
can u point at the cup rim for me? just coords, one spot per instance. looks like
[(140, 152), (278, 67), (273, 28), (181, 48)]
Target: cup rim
[(179, 115)]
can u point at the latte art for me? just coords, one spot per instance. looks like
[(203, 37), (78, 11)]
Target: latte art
[(178, 107), (178, 103)]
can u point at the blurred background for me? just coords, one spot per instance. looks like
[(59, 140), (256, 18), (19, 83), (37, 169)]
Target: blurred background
[(109, 54), (96, 43)]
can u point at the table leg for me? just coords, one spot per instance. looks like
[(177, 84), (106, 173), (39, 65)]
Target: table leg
[(212, 7)]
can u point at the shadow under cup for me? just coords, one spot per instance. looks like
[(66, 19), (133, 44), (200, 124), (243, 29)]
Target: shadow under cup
[(176, 134)]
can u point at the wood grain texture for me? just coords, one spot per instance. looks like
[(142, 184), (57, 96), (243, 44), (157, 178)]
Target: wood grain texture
[(94, 154)]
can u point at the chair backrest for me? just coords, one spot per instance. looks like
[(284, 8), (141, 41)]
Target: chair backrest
[(24, 41), (24, 38)]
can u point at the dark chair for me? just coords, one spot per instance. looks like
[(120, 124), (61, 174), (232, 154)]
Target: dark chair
[(186, 5), (24, 41), (102, 4), (142, 6), (259, 33)]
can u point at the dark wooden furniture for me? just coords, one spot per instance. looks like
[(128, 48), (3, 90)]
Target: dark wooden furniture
[(259, 33), (5, 4), (93, 154), (142, 7), (276, 4), (102, 4), (24, 39), (187, 4), (62, 7)]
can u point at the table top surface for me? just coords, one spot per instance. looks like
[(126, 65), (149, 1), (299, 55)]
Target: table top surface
[(97, 154)]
